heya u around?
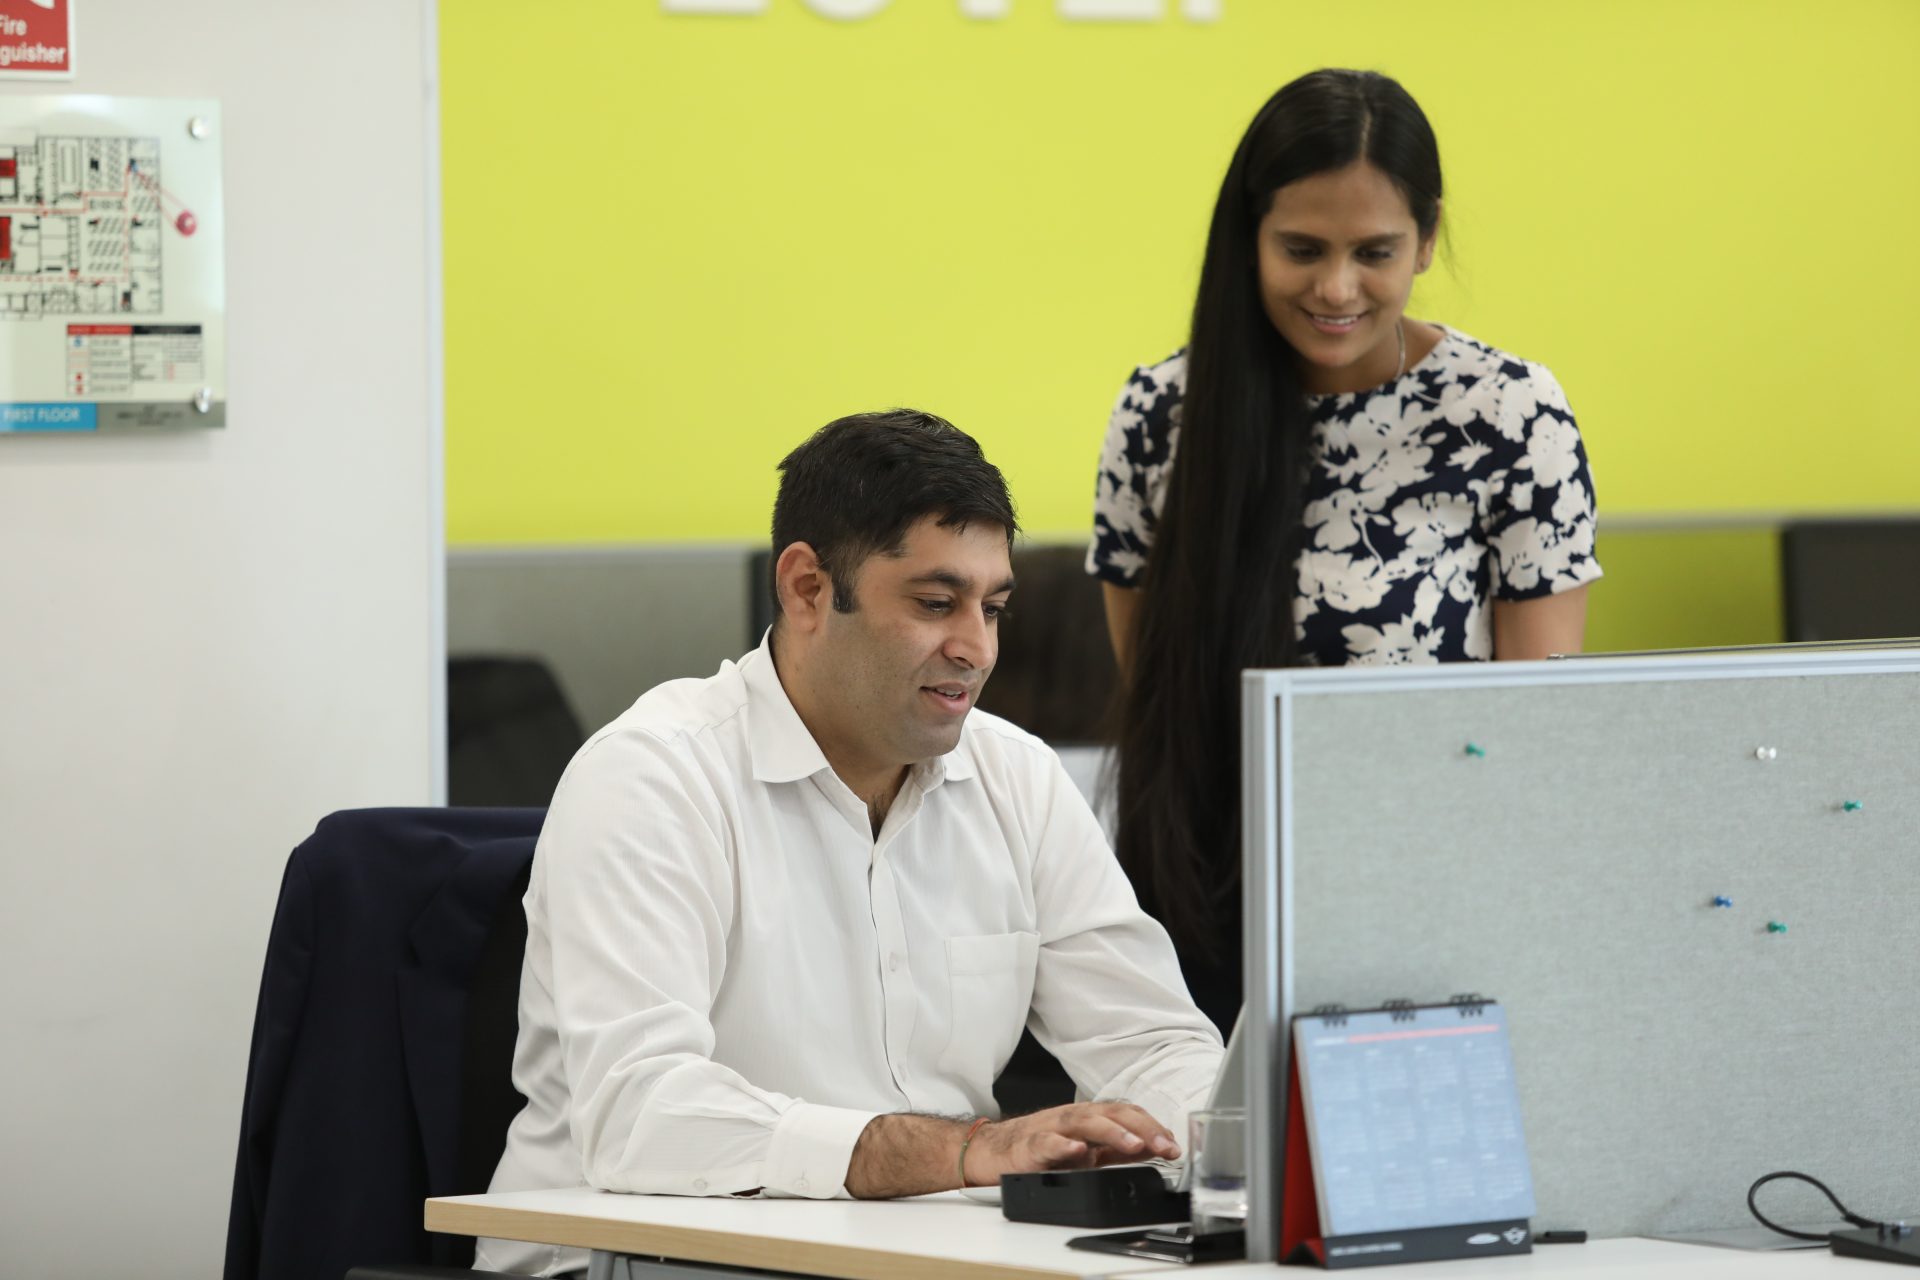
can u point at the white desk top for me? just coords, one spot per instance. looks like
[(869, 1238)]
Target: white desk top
[(941, 1237), (945, 1237), (1600, 1260)]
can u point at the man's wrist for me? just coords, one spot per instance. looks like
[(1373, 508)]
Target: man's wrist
[(967, 1143), (903, 1154)]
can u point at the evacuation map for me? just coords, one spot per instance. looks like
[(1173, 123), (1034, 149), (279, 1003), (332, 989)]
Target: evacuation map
[(112, 264), (80, 227)]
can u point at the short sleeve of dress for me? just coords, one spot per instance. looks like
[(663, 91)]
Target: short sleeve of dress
[(1540, 521), (1134, 462)]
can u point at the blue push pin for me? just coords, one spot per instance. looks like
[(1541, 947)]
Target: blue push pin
[(1774, 926), (1476, 752), (1722, 900), (1851, 806)]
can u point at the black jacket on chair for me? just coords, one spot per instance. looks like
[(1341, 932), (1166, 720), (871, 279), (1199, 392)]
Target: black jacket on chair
[(380, 1071)]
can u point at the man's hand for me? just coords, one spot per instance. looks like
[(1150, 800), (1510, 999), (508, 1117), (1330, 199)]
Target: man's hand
[(909, 1155), (1082, 1135)]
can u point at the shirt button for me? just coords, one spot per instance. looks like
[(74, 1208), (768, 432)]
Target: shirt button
[(699, 1184), (799, 1184), (893, 963)]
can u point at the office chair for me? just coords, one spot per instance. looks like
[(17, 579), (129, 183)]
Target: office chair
[(1056, 677), (381, 1063), (510, 731), (1851, 579)]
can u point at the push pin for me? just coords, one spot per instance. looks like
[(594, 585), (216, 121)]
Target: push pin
[(1477, 752), (1774, 926), (1851, 806), (1722, 900), (1765, 753)]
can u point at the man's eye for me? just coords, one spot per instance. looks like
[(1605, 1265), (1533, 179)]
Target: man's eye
[(998, 612), (1375, 255), (936, 606)]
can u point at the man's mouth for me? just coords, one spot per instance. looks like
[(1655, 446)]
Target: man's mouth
[(956, 697)]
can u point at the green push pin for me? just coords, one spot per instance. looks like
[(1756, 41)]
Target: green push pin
[(1774, 926), (1477, 752), (1851, 806)]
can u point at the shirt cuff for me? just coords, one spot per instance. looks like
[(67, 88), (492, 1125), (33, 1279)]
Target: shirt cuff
[(1172, 1100), (811, 1148)]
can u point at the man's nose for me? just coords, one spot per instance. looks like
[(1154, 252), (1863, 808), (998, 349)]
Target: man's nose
[(971, 640)]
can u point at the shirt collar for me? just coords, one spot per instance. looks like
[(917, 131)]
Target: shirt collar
[(784, 751)]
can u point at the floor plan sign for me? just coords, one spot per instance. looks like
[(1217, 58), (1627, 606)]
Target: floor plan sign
[(112, 291)]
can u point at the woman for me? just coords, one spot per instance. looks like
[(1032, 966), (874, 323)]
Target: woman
[(1317, 479)]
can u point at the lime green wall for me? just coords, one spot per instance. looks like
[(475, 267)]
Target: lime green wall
[(675, 244), (1682, 589)]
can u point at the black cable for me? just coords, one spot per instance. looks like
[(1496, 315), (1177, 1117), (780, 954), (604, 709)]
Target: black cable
[(1845, 1212)]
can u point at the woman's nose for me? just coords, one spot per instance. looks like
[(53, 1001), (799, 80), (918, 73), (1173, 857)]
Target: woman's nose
[(1337, 285)]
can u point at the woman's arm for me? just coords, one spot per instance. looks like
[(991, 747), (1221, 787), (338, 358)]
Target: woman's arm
[(1123, 610), (1529, 628)]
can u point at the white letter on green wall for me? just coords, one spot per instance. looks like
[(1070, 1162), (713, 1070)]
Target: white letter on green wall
[(846, 10), (747, 7)]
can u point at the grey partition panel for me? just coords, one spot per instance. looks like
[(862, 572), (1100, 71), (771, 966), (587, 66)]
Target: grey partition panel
[(1556, 836), (610, 622)]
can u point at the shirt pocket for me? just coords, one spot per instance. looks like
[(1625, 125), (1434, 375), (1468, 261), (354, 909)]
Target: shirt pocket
[(990, 989)]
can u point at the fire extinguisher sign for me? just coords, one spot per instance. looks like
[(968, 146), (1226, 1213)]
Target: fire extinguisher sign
[(36, 39)]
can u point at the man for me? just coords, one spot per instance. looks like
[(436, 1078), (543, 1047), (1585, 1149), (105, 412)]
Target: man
[(785, 924)]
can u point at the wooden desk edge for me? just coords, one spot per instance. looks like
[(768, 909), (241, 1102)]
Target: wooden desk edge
[(726, 1248)]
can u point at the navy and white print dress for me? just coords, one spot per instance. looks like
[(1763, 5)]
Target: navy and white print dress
[(1461, 482)]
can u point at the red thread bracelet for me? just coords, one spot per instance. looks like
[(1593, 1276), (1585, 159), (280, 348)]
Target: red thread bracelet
[(964, 1144)]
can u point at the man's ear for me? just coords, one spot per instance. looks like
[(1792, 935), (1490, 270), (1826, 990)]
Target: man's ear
[(806, 592)]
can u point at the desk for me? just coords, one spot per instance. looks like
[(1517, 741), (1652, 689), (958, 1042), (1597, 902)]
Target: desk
[(945, 1237), (1629, 1257), (939, 1237)]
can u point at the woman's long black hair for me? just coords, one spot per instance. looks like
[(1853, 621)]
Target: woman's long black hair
[(1221, 578)]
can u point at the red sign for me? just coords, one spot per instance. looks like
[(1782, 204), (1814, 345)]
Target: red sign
[(36, 39)]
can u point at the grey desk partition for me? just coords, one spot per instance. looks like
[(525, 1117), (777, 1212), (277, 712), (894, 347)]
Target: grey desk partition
[(1555, 835)]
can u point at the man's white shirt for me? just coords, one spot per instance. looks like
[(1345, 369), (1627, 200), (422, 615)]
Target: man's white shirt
[(728, 975)]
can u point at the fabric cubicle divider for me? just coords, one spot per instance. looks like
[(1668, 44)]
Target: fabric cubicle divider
[(1559, 836)]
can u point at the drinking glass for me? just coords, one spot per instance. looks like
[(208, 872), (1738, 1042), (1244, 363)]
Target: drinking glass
[(1217, 1161)]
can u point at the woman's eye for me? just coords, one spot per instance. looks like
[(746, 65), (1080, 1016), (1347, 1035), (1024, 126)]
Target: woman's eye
[(1375, 255), (1300, 254)]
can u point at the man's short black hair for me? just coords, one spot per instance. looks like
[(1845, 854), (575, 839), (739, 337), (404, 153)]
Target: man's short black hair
[(859, 483)]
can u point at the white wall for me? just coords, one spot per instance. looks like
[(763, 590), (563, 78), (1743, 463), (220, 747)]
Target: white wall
[(208, 641)]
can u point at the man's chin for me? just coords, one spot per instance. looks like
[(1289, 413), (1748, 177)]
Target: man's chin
[(937, 741)]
